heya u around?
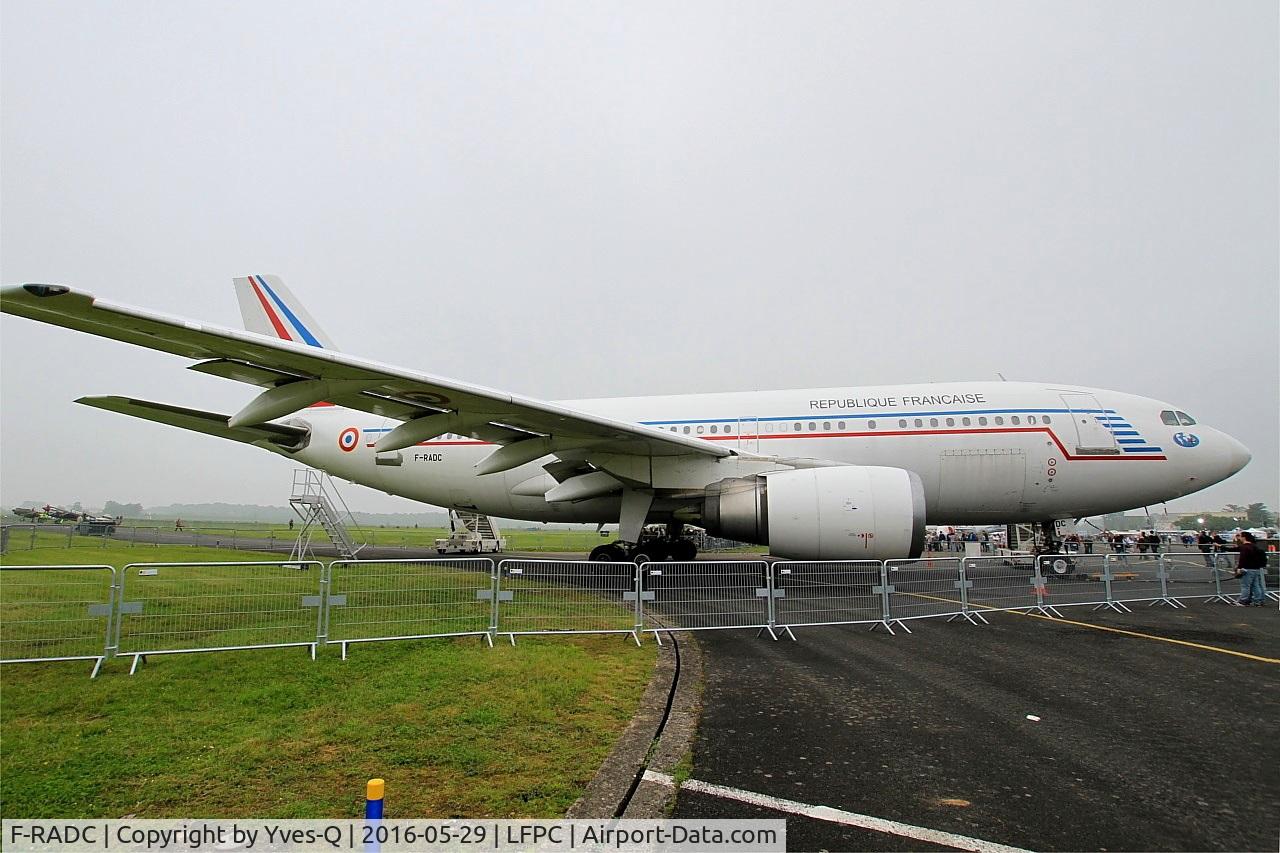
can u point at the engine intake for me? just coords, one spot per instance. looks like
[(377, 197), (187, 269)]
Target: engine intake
[(848, 512)]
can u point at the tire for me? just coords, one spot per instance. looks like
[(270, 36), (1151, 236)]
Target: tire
[(684, 551), (1057, 566), (610, 553)]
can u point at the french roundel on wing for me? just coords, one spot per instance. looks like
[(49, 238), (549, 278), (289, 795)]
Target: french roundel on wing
[(349, 439)]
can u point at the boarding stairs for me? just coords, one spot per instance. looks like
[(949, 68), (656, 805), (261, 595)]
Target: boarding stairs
[(316, 501), (473, 522)]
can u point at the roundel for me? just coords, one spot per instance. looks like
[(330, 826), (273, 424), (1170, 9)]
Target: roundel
[(348, 439), (1186, 439)]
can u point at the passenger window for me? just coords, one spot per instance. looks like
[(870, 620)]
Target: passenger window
[(951, 422), (812, 426), (919, 423), (982, 421), (1168, 418), (1185, 419), (686, 430), (714, 429), (1046, 419), (933, 422), (799, 427), (826, 425), (1031, 419), (840, 425), (700, 429), (871, 424), (728, 428), (999, 420), (902, 424), (966, 421), (1014, 420)]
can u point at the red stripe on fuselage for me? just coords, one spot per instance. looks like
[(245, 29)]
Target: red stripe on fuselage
[(1066, 454), (869, 434), (271, 315)]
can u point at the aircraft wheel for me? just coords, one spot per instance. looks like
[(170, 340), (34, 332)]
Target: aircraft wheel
[(610, 553), (684, 551), (656, 552), (1058, 566)]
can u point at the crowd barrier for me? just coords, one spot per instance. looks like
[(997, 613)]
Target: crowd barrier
[(96, 612)]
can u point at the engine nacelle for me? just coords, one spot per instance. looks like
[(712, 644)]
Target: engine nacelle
[(847, 512)]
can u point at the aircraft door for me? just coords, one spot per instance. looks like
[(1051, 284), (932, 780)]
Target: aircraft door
[(749, 434), (1092, 437)]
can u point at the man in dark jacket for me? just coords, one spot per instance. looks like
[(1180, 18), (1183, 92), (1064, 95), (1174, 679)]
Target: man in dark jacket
[(1250, 569)]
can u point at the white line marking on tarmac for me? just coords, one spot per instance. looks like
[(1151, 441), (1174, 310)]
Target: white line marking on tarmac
[(876, 824)]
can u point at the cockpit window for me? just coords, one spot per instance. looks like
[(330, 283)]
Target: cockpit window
[(1169, 418), (1186, 420)]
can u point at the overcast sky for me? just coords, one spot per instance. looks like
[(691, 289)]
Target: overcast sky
[(588, 199)]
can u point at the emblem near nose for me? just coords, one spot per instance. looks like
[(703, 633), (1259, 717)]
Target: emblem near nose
[(1186, 439)]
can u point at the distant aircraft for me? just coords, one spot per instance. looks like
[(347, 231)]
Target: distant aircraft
[(33, 514), (57, 513), (832, 473)]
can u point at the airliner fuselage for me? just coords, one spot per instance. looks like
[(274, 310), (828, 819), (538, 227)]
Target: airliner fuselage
[(985, 452)]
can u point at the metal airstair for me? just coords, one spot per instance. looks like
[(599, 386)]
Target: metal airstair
[(313, 499)]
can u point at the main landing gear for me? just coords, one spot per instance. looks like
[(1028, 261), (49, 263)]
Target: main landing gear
[(656, 544), (651, 551)]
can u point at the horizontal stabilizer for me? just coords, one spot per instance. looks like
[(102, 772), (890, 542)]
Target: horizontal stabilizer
[(272, 436)]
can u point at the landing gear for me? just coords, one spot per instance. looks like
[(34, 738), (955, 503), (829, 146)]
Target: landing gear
[(1048, 553), (649, 551), (611, 553)]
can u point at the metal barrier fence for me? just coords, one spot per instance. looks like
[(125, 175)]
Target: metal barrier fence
[(56, 613), (828, 593), (924, 588), (179, 608), (1003, 584), (1073, 580), (94, 612), (368, 601), (1194, 576), (563, 597), (705, 595)]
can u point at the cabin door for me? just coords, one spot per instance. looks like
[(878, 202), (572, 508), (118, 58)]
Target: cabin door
[(1093, 435), (749, 434)]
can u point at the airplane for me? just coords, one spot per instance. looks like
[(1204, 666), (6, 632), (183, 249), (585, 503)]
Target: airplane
[(33, 514), (814, 474), (58, 514)]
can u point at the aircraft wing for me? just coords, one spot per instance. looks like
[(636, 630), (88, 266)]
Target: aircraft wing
[(295, 375), (271, 436)]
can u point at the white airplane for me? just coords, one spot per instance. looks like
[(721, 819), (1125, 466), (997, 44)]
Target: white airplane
[(829, 474)]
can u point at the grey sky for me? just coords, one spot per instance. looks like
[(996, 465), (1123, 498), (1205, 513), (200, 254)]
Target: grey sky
[(577, 200)]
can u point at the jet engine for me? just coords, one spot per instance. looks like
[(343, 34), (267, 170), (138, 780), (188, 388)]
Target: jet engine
[(847, 512)]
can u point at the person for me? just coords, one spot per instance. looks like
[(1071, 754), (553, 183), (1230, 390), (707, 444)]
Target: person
[(291, 524), (177, 524), (1205, 543), (1250, 568)]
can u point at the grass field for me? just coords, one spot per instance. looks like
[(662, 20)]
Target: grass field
[(456, 728), (246, 534)]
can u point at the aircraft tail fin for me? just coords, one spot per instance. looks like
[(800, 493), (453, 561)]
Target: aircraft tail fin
[(269, 308)]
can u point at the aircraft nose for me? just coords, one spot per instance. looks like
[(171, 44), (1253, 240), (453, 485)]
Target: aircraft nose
[(1237, 454)]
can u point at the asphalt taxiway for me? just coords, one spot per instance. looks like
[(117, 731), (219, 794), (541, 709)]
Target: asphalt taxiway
[(1155, 730)]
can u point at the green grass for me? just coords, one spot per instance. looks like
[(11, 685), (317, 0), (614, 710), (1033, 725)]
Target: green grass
[(243, 534), (456, 728)]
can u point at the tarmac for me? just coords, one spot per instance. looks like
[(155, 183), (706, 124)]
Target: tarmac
[(1141, 743)]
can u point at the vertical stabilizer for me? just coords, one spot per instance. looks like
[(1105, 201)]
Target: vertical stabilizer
[(269, 308)]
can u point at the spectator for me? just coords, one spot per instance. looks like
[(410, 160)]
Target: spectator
[(1251, 569)]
